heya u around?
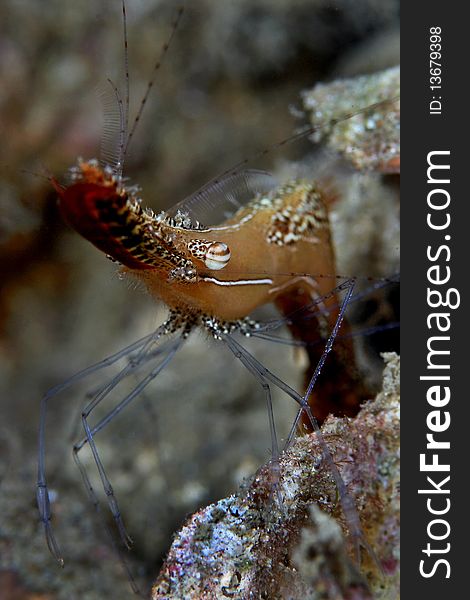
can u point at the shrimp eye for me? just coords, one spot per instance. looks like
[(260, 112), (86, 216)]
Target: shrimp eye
[(217, 256)]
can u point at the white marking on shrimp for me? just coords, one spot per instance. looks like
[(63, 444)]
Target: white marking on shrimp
[(238, 281)]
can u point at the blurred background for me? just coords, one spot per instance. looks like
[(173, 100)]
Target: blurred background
[(230, 85)]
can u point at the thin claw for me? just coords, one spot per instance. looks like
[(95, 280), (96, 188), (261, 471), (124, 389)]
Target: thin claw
[(274, 469), (114, 507), (125, 537), (52, 544), (44, 507), (360, 540)]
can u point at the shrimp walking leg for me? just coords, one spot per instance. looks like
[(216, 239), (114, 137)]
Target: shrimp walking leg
[(253, 366), (90, 432), (143, 347), (42, 492), (264, 375)]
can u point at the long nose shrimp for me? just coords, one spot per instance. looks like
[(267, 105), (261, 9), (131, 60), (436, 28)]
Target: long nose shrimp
[(239, 243)]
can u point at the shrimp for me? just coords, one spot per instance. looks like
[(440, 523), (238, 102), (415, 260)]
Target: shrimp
[(240, 243)]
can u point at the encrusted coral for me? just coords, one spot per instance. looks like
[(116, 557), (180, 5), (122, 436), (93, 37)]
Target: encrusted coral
[(251, 546), (370, 140)]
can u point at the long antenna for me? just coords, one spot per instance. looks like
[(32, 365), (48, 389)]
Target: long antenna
[(156, 67), (296, 136), (126, 70)]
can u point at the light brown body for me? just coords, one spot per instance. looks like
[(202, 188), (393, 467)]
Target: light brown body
[(269, 269)]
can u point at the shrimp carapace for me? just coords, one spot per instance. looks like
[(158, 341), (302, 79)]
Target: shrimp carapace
[(268, 249)]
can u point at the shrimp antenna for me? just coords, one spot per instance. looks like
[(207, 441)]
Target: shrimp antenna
[(158, 64), (126, 73), (310, 130), (46, 176)]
